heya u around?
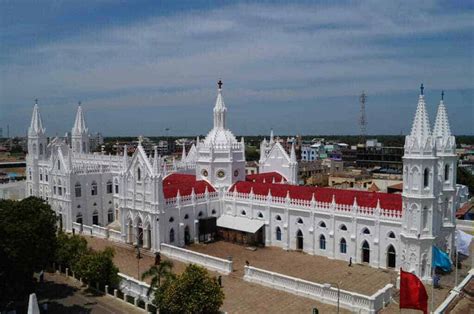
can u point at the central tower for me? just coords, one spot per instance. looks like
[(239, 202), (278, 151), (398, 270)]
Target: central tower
[(220, 157)]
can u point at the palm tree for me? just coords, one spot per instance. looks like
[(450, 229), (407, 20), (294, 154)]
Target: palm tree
[(157, 272)]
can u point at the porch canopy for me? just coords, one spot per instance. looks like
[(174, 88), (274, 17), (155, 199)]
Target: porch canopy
[(240, 223)]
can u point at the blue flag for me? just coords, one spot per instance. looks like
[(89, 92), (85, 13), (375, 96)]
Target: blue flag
[(441, 259)]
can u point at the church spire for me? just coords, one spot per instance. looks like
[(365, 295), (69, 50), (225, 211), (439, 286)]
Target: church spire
[(219, 108), (36, 126), (441, 126), (421, 124), (293, 153), (183, 154), (80, 123)]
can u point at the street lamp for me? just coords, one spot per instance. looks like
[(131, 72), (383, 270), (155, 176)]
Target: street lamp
[(328, 286), (139, 256)]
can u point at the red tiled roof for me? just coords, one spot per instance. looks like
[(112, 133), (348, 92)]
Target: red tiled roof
[(185, 184), (463, 210), (343, 197), (266, 177), (398, 186)]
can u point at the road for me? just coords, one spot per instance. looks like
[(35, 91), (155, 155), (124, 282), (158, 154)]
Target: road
[(65, 295)]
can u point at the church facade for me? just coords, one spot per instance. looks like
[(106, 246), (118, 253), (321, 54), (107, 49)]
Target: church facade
[(151, 201)]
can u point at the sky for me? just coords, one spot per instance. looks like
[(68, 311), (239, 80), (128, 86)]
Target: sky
[(141, 67)]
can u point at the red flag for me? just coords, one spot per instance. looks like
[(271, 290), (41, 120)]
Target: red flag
[(412, 292)]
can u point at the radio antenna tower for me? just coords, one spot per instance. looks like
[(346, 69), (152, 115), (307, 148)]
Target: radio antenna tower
[(363, 118)]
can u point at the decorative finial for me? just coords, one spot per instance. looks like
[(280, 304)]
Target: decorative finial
[(422, 88), (442, 95), (36, 101), (220, 84), (79, 103)]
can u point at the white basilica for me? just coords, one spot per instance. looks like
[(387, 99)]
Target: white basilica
[(207, 194)]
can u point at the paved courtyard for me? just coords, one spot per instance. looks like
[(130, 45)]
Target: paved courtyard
[(357, 278), (245, 297), (240, 296)]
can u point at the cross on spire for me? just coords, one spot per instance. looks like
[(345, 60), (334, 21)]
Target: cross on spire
[(36, 100), (79, 103), (422, 88), (220, 84), (442, 95)]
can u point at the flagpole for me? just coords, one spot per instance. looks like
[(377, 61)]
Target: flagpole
[(456, 270), (432, 289)]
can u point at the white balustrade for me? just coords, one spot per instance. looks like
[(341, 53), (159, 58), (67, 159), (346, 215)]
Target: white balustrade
[(320, 292), (210, 262), (135, 288)]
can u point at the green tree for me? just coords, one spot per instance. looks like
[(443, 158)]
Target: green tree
[(194, 291), (157, 272), (70, 249), (27, 244), (465, 178), (98, 267)]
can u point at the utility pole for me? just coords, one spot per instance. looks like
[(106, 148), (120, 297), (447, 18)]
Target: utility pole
[(362, 118)]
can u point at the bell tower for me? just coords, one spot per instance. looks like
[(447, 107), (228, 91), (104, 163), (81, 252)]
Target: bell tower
[(79, 134), (37, 144), (420, 195)]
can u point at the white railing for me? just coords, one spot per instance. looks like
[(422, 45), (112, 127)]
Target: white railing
[(135, 288), (465, 225), (314, 205), (454, 293), (99, 231), (81, 228), (191, 199), (320, 292), (210, 262), (115, 235)]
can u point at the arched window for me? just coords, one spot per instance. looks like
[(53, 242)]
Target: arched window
[(277, 217), (278, 233), (426, 178), (41, 174), (34, 149), (299, 240), (213, 212), (60, 189), (391, 235), (446, 173), (171, 219), (84, 147), (171, 235), (77, 189), (260, 215), (116, 188), (41, 149), (343, 246), (109, 187), (243, 213), (299, 221), (446, 208), (59, 165), (425, 217), (366, 231), (95, 218), (29, 173), (94, 188), (110, 215), (322, 224), (79, 218), (322, 242), (139, 174), (343, 227), (365, 252), (186, 216), (391, 257)]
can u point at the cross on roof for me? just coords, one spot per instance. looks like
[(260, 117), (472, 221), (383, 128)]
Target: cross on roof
[(422, 88), (36, 100), (220, 84), (442, 95)]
